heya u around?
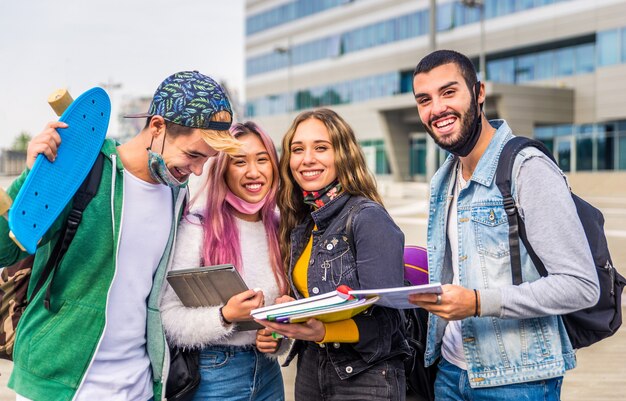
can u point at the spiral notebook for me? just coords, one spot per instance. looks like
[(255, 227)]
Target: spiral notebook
[(209, 286)]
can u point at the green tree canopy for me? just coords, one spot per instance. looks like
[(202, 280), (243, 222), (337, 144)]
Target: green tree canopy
[(21, 141)]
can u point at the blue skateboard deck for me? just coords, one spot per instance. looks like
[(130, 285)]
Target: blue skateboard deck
[(50, 186)]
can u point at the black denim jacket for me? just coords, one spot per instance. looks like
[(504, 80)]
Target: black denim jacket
[(376, 262)]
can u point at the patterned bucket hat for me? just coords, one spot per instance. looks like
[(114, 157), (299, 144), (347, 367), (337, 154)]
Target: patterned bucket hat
[(190, 99)]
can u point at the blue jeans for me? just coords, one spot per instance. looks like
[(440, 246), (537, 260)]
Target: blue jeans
[(230, 373), (452, 383)]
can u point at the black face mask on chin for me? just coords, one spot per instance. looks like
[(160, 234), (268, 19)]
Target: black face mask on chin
[(467, 142)]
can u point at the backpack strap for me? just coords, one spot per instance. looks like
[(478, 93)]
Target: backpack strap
[(85, 193), (517, 229), (349, 221)]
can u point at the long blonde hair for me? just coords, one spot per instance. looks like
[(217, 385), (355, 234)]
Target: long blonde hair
[(350, 164)]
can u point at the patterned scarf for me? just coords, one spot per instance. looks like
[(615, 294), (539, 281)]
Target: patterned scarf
[(319, 198)]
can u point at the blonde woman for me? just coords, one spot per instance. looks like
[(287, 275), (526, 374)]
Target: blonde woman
[(334, 231)]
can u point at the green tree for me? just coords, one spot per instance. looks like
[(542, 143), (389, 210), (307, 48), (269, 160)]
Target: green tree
[(21, 141)]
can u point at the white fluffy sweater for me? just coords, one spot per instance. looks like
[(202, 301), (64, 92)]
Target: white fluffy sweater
[(198, 327)]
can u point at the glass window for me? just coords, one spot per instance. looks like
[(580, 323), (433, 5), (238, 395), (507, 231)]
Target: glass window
[(471, 15), (384, 32), (303, 99), (544, 132), (564, 154), (608, 47), (342, 92), (250, 109), (422, 23), (404, 27), (525, 68), (525, 4), (406, 82), (444, 17), (346, 42), (417, 156), (334, 46), (623, 40), (583, 129), (370, 36), (501, 70), (605, 151), (491, 8), (585, 58), (622, 152), (458, 14), (497, 8), (382, 165), (562, 130), (391, 27), (389, 84), (564, 61), (358, 40), (544, 67), (584, 153), (508, 6)]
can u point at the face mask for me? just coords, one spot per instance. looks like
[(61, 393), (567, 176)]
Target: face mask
[(158, 169), (318, 199), (242, 206)]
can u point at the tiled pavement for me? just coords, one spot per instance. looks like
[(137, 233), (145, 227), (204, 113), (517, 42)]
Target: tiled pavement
[(601, 371)]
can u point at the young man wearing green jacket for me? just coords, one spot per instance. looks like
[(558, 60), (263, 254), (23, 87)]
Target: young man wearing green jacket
[(102, 338)]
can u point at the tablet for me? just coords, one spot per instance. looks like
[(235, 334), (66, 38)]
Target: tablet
[(209, 286)]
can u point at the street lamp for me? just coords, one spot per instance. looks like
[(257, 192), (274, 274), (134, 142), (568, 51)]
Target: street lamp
[(287, 50), (432, 27), (480, 4)]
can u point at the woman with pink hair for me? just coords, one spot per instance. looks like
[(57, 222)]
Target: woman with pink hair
[(238, 225)]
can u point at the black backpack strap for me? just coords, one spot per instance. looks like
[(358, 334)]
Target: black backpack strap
[(517, 229), (83, 196), (349, 221)]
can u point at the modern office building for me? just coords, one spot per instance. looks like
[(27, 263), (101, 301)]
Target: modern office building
[(555, 70)]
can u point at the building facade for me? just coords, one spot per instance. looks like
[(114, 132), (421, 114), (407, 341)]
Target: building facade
[(555, 69)]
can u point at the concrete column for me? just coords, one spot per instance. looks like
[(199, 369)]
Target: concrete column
[(431, 158), (396, 134)]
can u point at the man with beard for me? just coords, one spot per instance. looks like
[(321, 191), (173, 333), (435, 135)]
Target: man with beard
[(495, 340)]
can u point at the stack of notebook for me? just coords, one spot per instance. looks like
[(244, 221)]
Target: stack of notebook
[(341, 304)]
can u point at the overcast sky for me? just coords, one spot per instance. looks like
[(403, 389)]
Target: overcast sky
[(79, 44)]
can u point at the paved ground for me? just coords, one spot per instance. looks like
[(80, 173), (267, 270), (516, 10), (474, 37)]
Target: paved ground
[(601, 371)]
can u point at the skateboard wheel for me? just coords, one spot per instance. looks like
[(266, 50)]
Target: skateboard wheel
[(60, 100)]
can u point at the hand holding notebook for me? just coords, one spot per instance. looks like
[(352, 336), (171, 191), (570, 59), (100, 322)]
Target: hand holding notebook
[(213, 286), (342, 304)]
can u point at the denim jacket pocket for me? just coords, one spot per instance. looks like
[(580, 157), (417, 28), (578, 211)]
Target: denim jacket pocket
[(336, 262), (492, 230)]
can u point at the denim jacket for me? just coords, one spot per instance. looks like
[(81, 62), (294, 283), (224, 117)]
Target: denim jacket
[(498, 351), (376, 262)]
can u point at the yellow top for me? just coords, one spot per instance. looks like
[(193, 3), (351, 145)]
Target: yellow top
[(344, 331)]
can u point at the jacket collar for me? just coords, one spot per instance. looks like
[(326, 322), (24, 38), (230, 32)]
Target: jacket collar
[(486, 168), (324, 215)]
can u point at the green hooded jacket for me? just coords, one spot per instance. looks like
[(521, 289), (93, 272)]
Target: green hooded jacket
[(54, 348)]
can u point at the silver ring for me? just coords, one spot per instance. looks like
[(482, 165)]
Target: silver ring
[(438, 302)]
